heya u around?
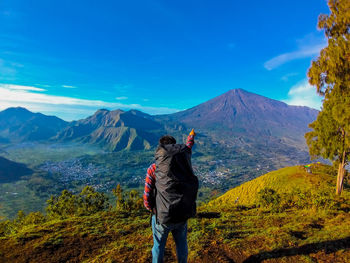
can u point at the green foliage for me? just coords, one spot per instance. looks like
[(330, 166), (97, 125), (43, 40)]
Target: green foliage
[(128, 202), (268, 197), (289, 182), (91, 201), (22, 220), (68, 204), (331, 69), (330, 73), (118, 193), (134, 202), (5, 228), (296, 199)]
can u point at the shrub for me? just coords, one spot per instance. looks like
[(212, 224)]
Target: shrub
[(296, 199), (88, 202), (14, 226), (5, 228), (129, 201), (269, 198), (91, 202), (325, 200)]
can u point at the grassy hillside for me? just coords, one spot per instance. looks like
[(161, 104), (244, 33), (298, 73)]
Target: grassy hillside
[(285, 180), (312, 229)]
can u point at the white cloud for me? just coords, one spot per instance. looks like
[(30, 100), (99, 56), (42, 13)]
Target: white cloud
[(309, 46), (69, 87), (67, 107), (20, 87), (121, 98), (303, 94), (286, 57)]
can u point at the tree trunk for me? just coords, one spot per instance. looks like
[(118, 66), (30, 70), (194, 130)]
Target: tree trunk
[(340, 177)]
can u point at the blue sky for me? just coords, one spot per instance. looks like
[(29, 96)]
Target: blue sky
[(70, 58)]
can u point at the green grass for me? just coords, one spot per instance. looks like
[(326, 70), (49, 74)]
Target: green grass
[(284, 180), (220, 233)]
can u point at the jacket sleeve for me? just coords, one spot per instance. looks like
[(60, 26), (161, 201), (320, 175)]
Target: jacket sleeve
[(148, 198), (190, 141)]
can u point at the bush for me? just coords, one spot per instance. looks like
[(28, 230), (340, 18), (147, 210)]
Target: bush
[(296, 199), (325, 200), (91, 202), (88, 202), (9, 227), (128, 202), (269, 198), (5, 228)]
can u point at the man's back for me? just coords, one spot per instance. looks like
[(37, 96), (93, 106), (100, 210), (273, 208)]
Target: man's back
[(170, 192), (176, 184)]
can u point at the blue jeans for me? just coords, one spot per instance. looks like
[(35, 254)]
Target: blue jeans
[(160, 235)]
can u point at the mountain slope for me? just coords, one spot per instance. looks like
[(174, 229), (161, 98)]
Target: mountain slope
[(114, 130), (285, 180), (20, 124), (12, 171), (242, 135), (241, 113)]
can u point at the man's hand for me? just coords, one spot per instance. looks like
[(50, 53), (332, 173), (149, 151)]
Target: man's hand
[(193, 133)]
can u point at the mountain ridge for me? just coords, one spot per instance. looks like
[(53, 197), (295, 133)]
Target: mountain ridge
[(114, 130), (238, 115), (19, 125)]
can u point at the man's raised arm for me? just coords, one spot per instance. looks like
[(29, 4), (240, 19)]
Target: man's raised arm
[(190, 139)]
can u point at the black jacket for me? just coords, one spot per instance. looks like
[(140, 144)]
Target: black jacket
[(176, 184)]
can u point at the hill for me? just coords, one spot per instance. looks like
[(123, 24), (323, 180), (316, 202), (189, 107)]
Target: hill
[(21, 125), (284, 181), (12, 171), (114, 130), (315, 230)]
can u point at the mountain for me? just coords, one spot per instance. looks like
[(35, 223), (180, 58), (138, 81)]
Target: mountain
[(20, 124), (12, 171), (237, 116), (242, 113), (115, 130), (240, 135)]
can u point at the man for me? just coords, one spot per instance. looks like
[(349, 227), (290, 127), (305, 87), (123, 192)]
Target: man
[(170, 194)]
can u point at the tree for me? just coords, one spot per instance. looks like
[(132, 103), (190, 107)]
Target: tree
[(118, 193), (128, 201), (66, 205), (330, 73), (62, 206), (91, 201)]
